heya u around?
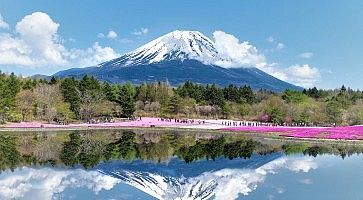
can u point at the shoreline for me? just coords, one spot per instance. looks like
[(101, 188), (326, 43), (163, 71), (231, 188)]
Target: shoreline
[(348, 133), (255, 135)]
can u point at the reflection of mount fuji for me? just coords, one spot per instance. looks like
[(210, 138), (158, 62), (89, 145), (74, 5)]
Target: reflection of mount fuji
[(222, 178)]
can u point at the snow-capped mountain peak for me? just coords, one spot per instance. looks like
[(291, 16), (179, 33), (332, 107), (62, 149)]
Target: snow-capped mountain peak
[(176, 45)]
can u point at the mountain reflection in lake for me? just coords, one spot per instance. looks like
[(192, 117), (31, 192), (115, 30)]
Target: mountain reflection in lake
[(127, 165)]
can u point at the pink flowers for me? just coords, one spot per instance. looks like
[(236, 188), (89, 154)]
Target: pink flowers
[(144, 122), (345, 133)]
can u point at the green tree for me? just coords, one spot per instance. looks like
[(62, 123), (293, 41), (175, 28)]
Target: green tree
[(71, 93), (126, 100)]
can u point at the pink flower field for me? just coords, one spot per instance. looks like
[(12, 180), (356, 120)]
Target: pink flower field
[(343, 133), (145, 122)]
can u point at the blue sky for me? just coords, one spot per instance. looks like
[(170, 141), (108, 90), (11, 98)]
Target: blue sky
[(322, 40)]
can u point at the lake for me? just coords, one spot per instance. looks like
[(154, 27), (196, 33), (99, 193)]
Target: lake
[(154, 164)]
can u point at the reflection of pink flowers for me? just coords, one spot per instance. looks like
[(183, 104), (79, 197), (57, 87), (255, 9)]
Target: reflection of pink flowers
[(345, 132)]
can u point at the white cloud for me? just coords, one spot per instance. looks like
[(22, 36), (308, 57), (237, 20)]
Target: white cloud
[(100, 35), (39, 32), (112, 35), (142, 31), (235, 53), (45, 183), (270, 39), (303, 75), (92, 55), (3, 24), (37, 44), (280, 46), (306, 55)]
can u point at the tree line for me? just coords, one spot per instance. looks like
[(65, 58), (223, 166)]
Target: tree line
[(69, 99)]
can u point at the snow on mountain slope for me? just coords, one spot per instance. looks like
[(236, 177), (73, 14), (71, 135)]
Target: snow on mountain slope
[(176, 45), (179, 56)]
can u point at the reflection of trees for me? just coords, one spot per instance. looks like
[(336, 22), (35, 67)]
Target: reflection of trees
[(124, 148), (294, 148), (315, 151), (89, 148), (214, 148), (83, 150), (10, 156), (243, 149)]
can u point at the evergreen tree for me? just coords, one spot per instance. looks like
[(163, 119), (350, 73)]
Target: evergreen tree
[(126, 100), (71, 94), (53, 81)]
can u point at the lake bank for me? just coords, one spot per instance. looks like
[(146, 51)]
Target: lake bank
[(349, 134)]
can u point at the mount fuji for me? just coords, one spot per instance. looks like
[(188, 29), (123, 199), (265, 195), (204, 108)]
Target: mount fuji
[(177, 57)]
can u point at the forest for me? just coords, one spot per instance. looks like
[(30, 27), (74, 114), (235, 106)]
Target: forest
[(69, 100)]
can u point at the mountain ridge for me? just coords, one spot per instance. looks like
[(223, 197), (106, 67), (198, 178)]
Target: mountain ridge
[(178, 56)]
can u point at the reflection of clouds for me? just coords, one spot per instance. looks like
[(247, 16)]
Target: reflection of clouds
[(306, 181), (29, 183), (304, 165), (222, 184), (280, 190)]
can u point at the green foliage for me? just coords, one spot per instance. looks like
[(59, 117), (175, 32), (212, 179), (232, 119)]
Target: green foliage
[(10, 156), (214, 95), (291, 96), (9, 88), (126, 99), (275, 108), (174, 105), (85, 99), (71, 93)]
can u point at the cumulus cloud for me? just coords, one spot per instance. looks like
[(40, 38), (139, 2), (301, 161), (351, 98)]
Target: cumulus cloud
[(142, 31), (111, 35), (33, 184), (234, 53), (3, 24), (303, 75), (306, 55), (39, 32), (92, 55), (37, 44)]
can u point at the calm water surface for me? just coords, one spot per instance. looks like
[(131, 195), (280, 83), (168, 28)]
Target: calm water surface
[(175, 166)]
